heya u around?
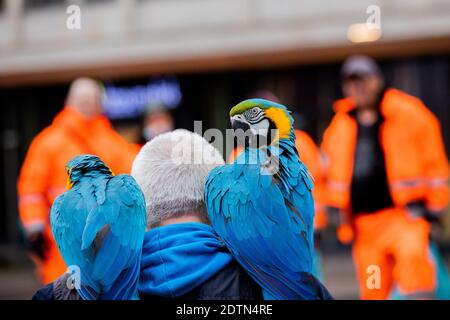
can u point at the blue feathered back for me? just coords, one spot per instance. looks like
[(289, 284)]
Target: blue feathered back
[(99, 226), (266, 218)]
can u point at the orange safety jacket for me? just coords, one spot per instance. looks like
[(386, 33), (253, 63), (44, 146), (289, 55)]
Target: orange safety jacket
[(416, 164), (43, 175), (310, 155)]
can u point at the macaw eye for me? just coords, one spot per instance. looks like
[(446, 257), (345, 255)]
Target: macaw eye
[(254, 115), (253, 112)]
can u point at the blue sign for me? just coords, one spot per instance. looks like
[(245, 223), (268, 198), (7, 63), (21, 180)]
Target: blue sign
[(129, 102)]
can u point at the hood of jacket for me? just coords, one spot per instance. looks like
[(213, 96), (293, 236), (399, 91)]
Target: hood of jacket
[(178, 258)]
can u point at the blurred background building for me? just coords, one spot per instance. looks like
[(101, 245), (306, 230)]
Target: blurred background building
[(214, 53)]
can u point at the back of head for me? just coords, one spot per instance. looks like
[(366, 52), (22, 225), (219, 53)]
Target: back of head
[(171, 170), (85, 96)]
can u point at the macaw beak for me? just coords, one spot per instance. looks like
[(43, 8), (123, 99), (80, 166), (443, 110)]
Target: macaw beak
[(69, 184), (238, 122), (242, 130)]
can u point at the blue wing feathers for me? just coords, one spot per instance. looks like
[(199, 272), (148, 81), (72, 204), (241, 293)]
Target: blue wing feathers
[(80, 215), (252, 211)]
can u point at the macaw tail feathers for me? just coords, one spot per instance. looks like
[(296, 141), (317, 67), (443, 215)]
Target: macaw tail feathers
[(309, 288), (268, 296)]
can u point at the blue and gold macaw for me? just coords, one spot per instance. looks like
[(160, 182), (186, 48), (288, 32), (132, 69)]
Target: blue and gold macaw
[(262, 207), (99, 226)]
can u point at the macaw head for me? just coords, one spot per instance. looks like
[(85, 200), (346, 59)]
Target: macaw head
[(85, 166), (262, 120)]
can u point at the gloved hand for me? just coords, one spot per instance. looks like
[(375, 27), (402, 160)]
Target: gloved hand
[(418, 209), (344, 230), (436, 221), (37, 244), (334, 216), (434, 217)]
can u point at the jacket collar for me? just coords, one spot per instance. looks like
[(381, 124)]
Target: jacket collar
[(180, 257), (71, 118), (80, 127)]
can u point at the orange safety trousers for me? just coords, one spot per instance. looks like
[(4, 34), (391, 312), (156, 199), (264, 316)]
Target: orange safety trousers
[(391, 248)]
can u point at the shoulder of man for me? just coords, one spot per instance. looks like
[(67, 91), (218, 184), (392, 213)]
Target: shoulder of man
[(231, 283), (44, 293), (57, 290)]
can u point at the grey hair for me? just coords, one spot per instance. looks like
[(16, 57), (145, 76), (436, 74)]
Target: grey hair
[(171, 170)]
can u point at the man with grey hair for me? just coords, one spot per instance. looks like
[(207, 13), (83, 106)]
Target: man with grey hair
[(182, 257)]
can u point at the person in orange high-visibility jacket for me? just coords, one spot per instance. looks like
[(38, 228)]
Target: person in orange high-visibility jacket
[(78, 129), (387, 173), (310, 155)]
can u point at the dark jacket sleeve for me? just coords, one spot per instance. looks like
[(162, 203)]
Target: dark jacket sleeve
[(232, 283), (45, 293), (57, 290), (322, 292)]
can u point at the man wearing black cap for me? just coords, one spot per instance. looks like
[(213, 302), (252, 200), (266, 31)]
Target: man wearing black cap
[(387, 174)]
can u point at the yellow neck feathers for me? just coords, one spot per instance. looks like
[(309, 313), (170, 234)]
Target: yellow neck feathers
[(281, 121)]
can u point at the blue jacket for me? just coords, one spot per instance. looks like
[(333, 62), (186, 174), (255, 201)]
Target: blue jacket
[(188, 261)]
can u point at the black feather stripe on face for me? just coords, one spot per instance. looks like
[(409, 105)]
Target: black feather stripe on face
[(254, 115), (272, 130)]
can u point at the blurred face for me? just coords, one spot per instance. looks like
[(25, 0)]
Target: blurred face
[(85, 96), (363, 90), (89, 102), (156, 123)]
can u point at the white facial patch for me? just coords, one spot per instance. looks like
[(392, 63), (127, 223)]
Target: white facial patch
[(261, 128)]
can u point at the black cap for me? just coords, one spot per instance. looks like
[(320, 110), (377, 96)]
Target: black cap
[(359, 66)]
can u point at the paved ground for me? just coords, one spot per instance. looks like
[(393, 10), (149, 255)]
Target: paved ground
[(17, 279), (339, 276), (17, 284), (20, 282)]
